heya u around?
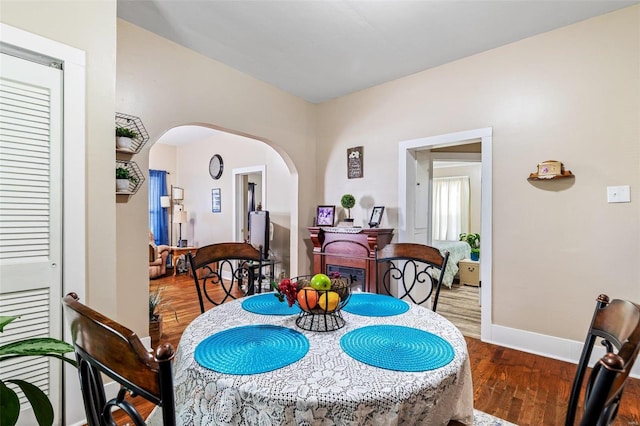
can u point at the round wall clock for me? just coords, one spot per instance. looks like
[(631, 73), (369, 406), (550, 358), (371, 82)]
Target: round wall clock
[(215, 166)]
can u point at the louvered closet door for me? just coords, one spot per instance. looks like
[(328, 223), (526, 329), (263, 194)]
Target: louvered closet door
[(30, 216)]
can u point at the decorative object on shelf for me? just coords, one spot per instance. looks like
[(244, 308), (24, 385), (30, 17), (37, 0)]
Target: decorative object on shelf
[(131, 127), (216, 166), (355, 162), (319, 297), (325, 215), (376, 216), (347, 202), (550, 169), (216, 201), (124, 138), (474, 242), (129, 178)]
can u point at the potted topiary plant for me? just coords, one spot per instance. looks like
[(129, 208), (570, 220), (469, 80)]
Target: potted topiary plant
[(124, 137), (347, 202), (123, 178), (474, 242), (37, 346)]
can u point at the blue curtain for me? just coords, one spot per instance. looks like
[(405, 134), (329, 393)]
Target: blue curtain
[(158, 217)]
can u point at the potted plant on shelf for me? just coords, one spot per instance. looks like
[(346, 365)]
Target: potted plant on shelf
[(156, 303), (474, 242), (36, 346), (124, 137), (123, 178), (347, 202)]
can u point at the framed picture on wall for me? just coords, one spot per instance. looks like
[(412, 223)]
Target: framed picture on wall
[(216, 202), (376, 216), (325, 216)]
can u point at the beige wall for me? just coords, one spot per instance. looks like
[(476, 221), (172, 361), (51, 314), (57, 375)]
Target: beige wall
[(570, 95), (191, 172)]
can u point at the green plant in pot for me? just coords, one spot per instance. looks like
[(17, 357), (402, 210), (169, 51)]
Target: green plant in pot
[(124, 137), (157, 303), (123, 177), (474, 242), (38, 346), (347, 202)]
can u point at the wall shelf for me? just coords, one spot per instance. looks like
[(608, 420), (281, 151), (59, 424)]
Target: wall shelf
[(135, 124), (134, 170), (565, 174)]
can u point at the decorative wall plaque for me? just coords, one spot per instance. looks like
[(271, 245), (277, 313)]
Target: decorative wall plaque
[(355, 162)]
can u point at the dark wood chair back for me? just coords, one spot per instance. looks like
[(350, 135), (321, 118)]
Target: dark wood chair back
[(103, 346), (415, 267), (225, 271), (617, 323)]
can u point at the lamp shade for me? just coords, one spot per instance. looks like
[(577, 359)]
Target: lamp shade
[(165, 201), (180, 217)]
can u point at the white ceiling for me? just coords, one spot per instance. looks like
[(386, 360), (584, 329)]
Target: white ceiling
[(320, 50)]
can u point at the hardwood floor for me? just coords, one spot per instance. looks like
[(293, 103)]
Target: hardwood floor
[(519, 387)]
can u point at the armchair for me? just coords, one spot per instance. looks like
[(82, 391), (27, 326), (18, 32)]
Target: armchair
[(157, 258)]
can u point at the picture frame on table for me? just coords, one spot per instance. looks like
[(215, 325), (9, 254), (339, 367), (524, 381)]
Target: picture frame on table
[(325, 215), (216, 201), (376, 216)]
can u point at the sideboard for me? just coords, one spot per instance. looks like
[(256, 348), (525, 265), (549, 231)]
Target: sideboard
[(350, 253)]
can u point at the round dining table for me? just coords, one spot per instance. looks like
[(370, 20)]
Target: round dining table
[(326, 385)]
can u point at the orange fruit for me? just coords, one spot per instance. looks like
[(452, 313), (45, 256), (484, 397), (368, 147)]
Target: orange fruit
[(328, 301), (307, 298)]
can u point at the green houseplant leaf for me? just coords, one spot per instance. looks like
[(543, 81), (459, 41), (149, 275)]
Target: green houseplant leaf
[(42, 407), (9, 406), (38, 346)]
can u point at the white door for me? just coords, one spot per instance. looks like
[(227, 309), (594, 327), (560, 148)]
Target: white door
[(31, 217)]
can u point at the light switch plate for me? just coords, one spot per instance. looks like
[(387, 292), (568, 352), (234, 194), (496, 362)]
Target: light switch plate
[(618, 194)]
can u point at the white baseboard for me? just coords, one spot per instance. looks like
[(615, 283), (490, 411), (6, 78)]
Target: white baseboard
[(548, 346)]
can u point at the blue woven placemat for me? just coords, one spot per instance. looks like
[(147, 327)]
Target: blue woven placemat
[(397, 348), (251, 349), (268, 304), (375, 305)]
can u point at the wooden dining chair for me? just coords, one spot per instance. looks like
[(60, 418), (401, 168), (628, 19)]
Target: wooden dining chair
[(225, 271), (102, 346), (416, 268), (617, 323)]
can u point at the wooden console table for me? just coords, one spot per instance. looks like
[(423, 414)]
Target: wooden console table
[(176, 252), (350, 254)]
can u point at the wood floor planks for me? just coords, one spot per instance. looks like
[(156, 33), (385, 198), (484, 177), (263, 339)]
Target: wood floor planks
[(522, 388)]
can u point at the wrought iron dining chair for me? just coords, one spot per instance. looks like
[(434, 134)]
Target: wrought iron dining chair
[(617, 323), (416, 268), (225, 271), (103, 346)]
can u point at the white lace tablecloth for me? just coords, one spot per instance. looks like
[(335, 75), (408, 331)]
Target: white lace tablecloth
[(325, 387)]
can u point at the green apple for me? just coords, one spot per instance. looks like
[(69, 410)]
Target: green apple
[(321, 282)]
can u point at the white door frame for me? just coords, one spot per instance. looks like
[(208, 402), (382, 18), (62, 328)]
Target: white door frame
[(236, 186), (74, 181), (406, 180)]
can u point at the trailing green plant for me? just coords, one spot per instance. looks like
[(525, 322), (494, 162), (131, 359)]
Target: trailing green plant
[(473, 240), (39, 346), (347, 202), (126, 133), (157, 302), (124, 173)]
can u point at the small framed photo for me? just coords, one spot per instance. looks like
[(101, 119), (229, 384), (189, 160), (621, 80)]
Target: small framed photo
[(325, 216), (216, 202), (376, 216)]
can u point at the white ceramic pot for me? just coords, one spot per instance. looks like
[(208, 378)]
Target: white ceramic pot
[(123, 142), (122, 185)]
